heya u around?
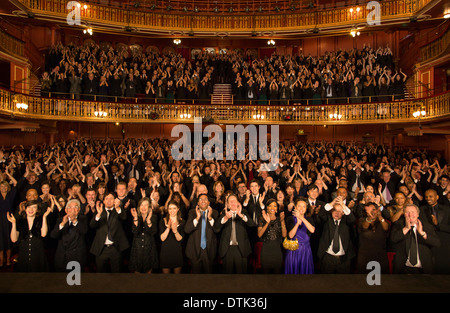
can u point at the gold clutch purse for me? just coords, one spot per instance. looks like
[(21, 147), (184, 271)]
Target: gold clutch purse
[(290, 244)]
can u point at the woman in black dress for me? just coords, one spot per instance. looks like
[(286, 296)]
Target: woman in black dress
[(29, 230), (181, 91), (144, 254), (7, 197), (172, 234), (272, 230), (373, 233)]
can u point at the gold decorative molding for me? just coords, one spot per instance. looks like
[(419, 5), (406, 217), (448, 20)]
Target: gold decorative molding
[(40, 108)]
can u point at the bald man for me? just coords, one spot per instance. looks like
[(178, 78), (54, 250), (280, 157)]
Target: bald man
[(438, 215)]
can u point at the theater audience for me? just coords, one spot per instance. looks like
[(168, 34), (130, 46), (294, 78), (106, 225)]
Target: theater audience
[(118, 74), (324, 173)]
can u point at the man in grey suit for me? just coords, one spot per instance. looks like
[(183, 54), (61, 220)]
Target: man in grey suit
[(234, 247)]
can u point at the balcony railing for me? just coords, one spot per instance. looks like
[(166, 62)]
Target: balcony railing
[(266, 20), (42, 108)]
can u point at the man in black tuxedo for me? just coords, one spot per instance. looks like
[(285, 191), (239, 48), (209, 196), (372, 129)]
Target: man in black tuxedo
[(336, 248), (234, 247), (441, 186), (252, 202), (414, 239), (388, 186), (110, 240), (357, 179), (329, 91), (201, 247), (314, 206), (251, 92), (438, 215), (135, 169), (90, 86), (70, 231)]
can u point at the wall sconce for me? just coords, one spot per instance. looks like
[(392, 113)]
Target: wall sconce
[(271, 42), (22, 106), (177, 41), (185, 115), (88, 31), (335, 116), (100, 114), (258, 117), (354, 33)]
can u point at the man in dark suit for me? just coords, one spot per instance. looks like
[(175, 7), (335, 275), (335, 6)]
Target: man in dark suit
[(234, 247), (336, 248), (251, 92), (252, 202), (70, 230), (388, 186), (90, 86), (110, 240), (201, 247), (135, 169), (438, 215), (357, 179), (329, 91), (314, 206), (414, 239)]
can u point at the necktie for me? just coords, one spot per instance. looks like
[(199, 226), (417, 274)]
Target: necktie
[(358, 182), (413, 247), (435, 211), (388, 194), (233, 231), (108, 212), (336, 238), (203, 236)]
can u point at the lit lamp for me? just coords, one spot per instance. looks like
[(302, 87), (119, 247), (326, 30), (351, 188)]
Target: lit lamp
[(335, 116), (177, 41), (271, 42), (185, 115), (100, 114), (355, 33), (418, 115), (22, 106), (258, 117), (88, 31)]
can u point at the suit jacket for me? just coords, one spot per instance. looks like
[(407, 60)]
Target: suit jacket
[(241, 234), (117, 233), (254, 208), (333, 90), (346, 226), (139, 167), (71, 242), (193, 248), (402, 246), (442, 229)]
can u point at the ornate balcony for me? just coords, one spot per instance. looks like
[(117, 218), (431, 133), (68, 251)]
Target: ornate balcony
[(14, 105), (182, 17)]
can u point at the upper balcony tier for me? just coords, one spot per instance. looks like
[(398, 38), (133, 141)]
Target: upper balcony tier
[(15, 105), (211, 18)]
